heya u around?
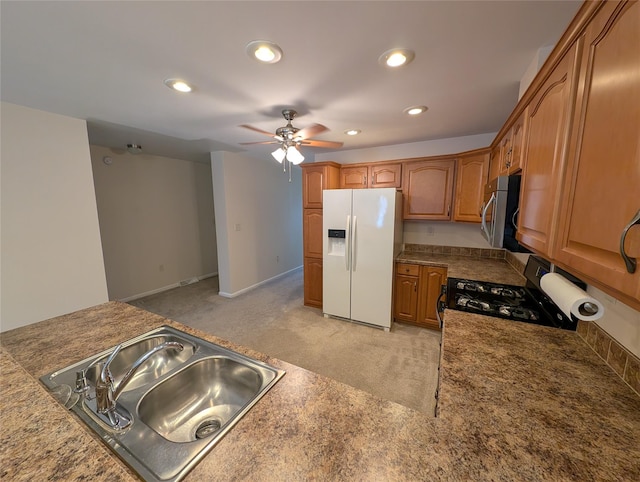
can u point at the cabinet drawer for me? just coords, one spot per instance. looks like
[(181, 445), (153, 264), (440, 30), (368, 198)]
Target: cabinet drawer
[(408, 269)]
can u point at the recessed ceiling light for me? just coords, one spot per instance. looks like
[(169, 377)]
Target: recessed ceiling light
[(352, 132), (264, 51), (396, 57), (415, 110), (178, 84)]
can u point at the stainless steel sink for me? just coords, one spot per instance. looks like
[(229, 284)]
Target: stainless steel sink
[(181, 402)]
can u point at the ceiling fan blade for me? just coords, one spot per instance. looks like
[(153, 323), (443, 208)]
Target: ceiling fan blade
[(270, 134), (327, 144), (311, 131), (264, 142)]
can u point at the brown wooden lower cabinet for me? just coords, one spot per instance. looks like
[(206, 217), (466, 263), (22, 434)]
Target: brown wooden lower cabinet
[(313, 282), (417, 289)]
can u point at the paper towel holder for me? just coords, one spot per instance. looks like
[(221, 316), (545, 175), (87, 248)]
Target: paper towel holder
[(588, 309)]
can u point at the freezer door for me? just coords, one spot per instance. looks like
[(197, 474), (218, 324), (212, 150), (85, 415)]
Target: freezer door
[(372, 249), (336, 250)]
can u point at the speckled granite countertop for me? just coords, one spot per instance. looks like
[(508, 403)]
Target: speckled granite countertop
[(517, 402), (480, 269)]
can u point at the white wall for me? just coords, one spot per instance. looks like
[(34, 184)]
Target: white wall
[(156, 221), (436, 147), (51, 254), (259, 220), (535, 65)]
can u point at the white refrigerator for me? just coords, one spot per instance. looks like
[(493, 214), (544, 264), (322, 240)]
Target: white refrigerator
[(362, 231)]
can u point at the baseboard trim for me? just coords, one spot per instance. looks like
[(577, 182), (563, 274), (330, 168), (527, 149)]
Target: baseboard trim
[(224, 294), (169, 287)]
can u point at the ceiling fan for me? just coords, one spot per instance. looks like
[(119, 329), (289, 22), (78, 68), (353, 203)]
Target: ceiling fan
[(291, 138)]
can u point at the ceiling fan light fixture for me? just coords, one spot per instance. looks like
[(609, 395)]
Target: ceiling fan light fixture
[(294, 155), (279, 154), (264, 51), (179, 85), (134, 148), (396, 57), (415, 110), (352, 132)]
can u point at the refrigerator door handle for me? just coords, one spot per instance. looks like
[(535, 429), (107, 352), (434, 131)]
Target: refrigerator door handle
[(354, 244), (347, 250)]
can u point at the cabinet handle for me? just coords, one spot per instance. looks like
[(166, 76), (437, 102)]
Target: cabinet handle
[(364, 182), (449, 210), (629, 262)]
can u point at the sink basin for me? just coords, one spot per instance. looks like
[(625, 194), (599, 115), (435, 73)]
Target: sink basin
[(181, 402), (199, 400)]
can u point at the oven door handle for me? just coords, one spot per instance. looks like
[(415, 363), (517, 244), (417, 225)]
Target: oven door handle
[(440, 305)]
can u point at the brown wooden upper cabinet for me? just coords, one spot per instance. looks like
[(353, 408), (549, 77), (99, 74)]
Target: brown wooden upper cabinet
[(315, 178), (600, 191), (371, 176), (546, 139), (471, 177), (495, 162), (515, 161), (506, 157), (428, 189)]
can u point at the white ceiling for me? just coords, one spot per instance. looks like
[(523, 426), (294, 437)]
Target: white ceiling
[(106, 61)]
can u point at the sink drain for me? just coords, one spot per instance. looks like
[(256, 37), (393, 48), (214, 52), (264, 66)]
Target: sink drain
[(207, 428)]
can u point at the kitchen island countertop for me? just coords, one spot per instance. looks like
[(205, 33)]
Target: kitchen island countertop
[(517, 402)]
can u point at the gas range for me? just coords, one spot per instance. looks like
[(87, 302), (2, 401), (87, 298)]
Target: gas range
[(527, 303)]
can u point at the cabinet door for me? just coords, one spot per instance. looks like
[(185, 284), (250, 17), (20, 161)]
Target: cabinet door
[(385, 175), (353, 177), (313, 282), (545, 152), (316, 178), (431, 280), (600, 192), (471, 178), (517, 138), (506, 151), (312, 232), (405, 299), (428, 189), (495, 162), (312, 185)]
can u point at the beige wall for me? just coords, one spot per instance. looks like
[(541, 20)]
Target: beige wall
[(156, 221), (50, 246), (259, 220)]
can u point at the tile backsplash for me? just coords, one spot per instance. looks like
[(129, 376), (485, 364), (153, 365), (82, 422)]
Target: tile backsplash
[(455, 250), (622, 361)]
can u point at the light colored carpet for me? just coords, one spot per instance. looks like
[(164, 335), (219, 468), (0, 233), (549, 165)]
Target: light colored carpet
[(400, 365)]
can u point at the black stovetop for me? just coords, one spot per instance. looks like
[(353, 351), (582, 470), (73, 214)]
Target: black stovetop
[(518, 303)]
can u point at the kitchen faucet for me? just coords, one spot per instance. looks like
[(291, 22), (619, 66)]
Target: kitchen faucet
[(107, 393)]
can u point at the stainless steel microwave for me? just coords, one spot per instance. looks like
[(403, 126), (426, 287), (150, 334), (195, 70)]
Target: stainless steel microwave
[(500, 212)]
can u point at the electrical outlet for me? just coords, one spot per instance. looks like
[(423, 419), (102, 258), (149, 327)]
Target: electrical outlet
[(277, 259), (431, 231), (237, 227), (161, 268)]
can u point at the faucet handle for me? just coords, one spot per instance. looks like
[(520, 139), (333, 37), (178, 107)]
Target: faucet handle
[(81, 382)]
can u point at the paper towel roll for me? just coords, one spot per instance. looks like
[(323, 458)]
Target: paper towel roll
[(571, 299)]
